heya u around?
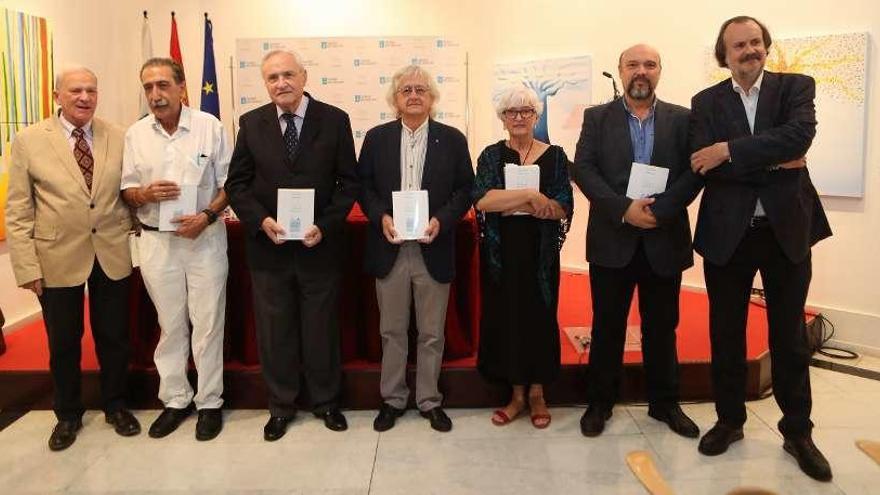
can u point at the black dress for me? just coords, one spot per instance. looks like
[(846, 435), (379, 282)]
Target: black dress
[(519, 332)]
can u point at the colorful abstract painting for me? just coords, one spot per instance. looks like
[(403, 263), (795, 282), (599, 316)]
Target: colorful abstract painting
[(25, 83), (838, 63)]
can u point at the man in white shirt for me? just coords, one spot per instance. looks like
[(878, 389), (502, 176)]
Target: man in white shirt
[(179, 150)]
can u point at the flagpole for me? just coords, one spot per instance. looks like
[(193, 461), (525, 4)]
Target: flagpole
[(232, 97)]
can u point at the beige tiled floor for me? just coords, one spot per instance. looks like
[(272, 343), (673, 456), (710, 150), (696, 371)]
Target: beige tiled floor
[(475, 458)]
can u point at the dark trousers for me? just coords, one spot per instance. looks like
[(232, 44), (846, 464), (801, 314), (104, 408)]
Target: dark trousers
[(296, 311), (785, 288), (108, 315), (611, 290)]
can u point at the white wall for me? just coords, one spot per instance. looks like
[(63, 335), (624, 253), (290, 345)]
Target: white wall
[(845, 267)]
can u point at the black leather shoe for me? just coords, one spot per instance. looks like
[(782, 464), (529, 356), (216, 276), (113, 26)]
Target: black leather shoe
[(64, 434), (676, 419), (210, 424), (168, 421), (810, 460), (593, 420), (123, 422), (388, 415), (439, 420), (276, 427), (718, 439), (333, 419)]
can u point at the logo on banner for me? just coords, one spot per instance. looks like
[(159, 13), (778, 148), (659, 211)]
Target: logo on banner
[(331, 80), (420, 61), (384, 80), (441, 79), (242, 64), (446, 44), (358, 62), (249, 99), (386, 116), (359, 134), (388, 44), (363, 98)]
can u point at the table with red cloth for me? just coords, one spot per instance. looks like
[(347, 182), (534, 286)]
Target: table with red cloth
[(358, 309)]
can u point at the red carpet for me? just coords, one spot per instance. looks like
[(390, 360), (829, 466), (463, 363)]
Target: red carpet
[(27, 348)]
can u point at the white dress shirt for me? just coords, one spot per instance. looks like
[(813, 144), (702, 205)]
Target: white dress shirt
[(68, 132), (197, 153), (750, 102)]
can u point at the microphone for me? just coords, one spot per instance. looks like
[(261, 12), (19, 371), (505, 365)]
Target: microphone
[(613, 84)]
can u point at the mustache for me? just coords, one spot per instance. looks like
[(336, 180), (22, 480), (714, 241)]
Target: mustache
[(160, 103), (750, 56)]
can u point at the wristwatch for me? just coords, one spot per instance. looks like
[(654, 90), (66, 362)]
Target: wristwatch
[(212, 215)]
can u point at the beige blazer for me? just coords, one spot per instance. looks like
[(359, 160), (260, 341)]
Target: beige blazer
[(55, 226)]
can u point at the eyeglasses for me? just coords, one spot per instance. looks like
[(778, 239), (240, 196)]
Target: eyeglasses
[(408, 90), (523, 113)]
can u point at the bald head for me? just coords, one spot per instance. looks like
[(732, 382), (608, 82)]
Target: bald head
[(641, 48), (639, 68)]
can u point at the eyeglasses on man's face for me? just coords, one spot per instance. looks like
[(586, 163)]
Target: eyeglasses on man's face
[(408, 90), (523, 113)]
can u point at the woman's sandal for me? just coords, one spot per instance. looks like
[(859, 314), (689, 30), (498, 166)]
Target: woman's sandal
[(500, 418), (541, 421)]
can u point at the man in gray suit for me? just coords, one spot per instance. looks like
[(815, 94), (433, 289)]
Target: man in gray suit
[(635, 242)]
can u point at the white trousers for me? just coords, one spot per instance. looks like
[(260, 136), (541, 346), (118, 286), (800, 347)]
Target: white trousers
[(186, 280)]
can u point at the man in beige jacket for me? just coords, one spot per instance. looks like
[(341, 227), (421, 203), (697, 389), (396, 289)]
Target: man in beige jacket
[(67, 227)]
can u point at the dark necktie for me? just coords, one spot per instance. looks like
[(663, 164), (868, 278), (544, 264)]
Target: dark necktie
[(291, 139), (83, 155)]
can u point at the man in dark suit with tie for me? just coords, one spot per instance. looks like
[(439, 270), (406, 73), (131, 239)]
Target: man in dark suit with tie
[(760, 212), (295, 142), (413, 153), (634, 241)]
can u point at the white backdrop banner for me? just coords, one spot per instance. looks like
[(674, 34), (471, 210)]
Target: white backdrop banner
[(354, 73)]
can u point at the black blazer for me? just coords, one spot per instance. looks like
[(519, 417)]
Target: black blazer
[(448, 177), (785, 124), (324, 160), (602, 164)]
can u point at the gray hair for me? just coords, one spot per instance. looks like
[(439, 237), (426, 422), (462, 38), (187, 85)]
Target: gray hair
[(518, 96), (67, 70), (411, 70), (274, 53)]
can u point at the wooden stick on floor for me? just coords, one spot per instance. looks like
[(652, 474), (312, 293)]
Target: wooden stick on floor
[(870, 448), (642, 465)]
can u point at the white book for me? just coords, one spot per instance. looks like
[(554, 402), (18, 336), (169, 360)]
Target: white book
[(410, 212), (296, 212), (646, 180), (521, 177), (185, 204)]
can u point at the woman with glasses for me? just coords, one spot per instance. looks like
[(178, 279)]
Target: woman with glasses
[(521, 232)]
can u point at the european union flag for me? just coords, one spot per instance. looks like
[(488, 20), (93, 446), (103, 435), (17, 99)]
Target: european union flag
[(210, 99)]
